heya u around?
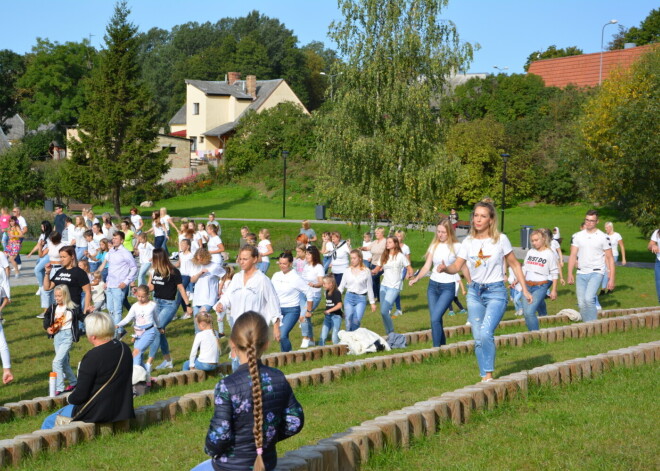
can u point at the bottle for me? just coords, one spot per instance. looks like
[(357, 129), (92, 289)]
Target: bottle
[(52, 381)]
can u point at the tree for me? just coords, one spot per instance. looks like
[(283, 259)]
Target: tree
[(551, 53), (18, 182), (647, 33), (12, 66), (118, 128), (378, 144), (51, 88), (620, 130)]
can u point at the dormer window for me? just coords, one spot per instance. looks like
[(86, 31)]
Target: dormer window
[(195, 108)]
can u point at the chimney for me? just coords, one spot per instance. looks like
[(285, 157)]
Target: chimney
[(233, 77), (251, 85)]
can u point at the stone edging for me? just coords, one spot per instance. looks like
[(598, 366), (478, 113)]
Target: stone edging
[(346, 451), (23, 446)]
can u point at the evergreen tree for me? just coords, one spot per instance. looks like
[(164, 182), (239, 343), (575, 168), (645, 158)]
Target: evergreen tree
[(118, 128)]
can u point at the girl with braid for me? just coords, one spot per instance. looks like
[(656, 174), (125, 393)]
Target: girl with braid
[(254, 407)]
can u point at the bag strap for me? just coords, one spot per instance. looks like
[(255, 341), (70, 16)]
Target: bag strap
[(121, 357)]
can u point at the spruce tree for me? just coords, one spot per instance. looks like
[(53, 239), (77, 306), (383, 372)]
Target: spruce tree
[(118, 129)]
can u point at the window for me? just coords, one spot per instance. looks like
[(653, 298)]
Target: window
[(193, 146), (170, 149), (201, 139), (195, 108)]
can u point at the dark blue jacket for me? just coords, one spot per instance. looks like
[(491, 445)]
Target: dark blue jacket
[(230, 440)]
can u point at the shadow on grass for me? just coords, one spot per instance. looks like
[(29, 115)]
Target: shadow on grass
[(526, 364)]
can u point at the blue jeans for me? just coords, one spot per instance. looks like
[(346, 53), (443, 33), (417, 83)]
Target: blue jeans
[(606, 277), (80, 253), (166, 310), (290, 316), (375, 284), (354, 307), (404, 272), (307, 326), (387, 297), (40, 270), (93, 266), (263, 266), (326, 263), (517, 299), (486, 306), (49, 422), (200, 365), (338, 277), (143, 342), (114, 298), (48, 297), (196, 310), (586, 286), (657, 278), (439, 296), (160, 242), (529, 310), (142, 274), (63, 341), (330, 321), (185, 281)]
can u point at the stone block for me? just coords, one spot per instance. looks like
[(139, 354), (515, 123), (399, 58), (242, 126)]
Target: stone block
[(5, 414), (44, 403), (638, 356), (185, 405), (443, 412), (582, 330), (289, 358), (429, 417), (403, 428), (11, 452), (619, 324), (18, 410), (536, 335), (313, 459), (490, 397), (326, 375), (478, 397), (415, 421), (330, 460), (201, 401), (87, 431), (51, 440), (337, 372), (169, 409), (290, 462), (564, 372), (585, 366), (317, 376), (168, 380), (520, 380), (30, 442), (453, 350), (31, 407), (455, 407), (369, 439), (413, 338), (70, 435), (318, 353), (388, 428), (417, 356), (154, 415), (293, 379), (348, 454), (105, 429)]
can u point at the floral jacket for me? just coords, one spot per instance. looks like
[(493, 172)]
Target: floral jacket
[(230, 440)]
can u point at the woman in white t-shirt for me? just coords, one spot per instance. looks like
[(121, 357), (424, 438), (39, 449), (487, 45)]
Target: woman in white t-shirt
[(442, 287), (79, 234), (313, 275), (484, 251), (392, 261), (358, 286), (654, 246), (541, 273), (617, 246), (215, 245), (405, 250), (136, 220), (265, 249), (340, 256)]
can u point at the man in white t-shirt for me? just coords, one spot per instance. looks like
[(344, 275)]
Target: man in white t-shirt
[(592, 252), (654, 246)]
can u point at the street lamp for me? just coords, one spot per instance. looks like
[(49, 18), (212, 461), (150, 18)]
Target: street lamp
[(285, 154), (505, 158), (602, 37), (501, 69), (332, 88)]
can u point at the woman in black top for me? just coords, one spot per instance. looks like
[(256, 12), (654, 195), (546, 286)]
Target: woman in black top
[(104, 392), (73, 277), (165, 282)]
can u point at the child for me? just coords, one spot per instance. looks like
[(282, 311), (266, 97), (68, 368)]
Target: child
[(515, 292), (254, 399), (61, 322), (201, 236), (456, 301), (207, 344), (92, 251), (98, 291), (187, 269), (206, 275), (366, 253), (145, 325), (333, 312), (222, 286), (300, 261), (405, 250), (251, 239), (265, 249), (4, 285), (243, 240), (144, 251), (104, 247)]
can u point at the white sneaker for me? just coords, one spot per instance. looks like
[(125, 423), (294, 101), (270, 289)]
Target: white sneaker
[(38, 292), (147, 368), (398, 313), (468, 323), (304, 343), (165, 364), (519, 312), (310, 343)]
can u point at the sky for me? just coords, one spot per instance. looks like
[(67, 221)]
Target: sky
[(506, 30)]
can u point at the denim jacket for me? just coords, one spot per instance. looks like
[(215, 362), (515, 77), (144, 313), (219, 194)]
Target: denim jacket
[(230, 440)]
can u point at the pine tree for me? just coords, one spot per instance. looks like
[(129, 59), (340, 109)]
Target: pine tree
[(118, 130)]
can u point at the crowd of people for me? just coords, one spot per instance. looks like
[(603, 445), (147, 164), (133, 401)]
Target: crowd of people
[(89, 265)]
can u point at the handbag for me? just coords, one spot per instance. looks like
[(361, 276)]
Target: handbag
[(63, 420)]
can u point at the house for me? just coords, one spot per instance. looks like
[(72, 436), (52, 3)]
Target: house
[(15, 128), (213, 109), (4, 142), (584, 70)]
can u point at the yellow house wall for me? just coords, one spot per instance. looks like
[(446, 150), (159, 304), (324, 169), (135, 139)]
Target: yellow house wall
[(282, 94)]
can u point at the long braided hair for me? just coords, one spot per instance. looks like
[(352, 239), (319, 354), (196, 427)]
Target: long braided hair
[(250, 336)]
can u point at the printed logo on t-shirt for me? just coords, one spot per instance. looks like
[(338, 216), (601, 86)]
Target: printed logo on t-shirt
[(480, 259)]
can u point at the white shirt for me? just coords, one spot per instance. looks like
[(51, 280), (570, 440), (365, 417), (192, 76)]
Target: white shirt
[(366, 254), (591, 250), (258, 295), (443, 254), (186, 265), (165, 220), (485, 258), (207, 344), (329, 247), (99, 236), (21, 223), (262, 247), (311, 274), (144, 315), (554, 245), (70, 234), (63, 311), (213, 244), (615, 237), (289, 287), (145, 251), (136, 219), (540, 265), (54, 252), (340, 257), (92, 248), (79, 234), (159, 231), (201, 235), (405, 250), (4, 281), (392, 271), (655, 237), (206, 286), (360, 283)]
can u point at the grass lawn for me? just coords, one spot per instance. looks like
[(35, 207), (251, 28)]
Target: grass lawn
[(331, 408), (608, 422)]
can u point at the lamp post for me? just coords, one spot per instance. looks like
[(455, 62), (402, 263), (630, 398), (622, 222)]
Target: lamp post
[(602, 37), (332, 88), (285, 154), (505, 158), (500, 69)]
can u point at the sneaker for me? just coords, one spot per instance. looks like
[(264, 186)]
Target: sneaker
[(57, 393), (69, 388), (304, 343), (310, 343), (468, 323), (165, 364), (451, 313), (519, 312), (462, 311), (147, 368), (38, 293), (41, 316), (398, 313), (186, 316)]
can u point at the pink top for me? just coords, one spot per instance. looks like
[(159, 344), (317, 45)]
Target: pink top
[(4, 222)]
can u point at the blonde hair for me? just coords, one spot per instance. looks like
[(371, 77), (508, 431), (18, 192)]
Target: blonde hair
[(543, 233), (204, 317), (305, 224), (99, 325), (493, 233), (202, 256), (64, 289), (80, 222), (250, 336), (333, 283), (265, 233), (451, 236), (358, 253)]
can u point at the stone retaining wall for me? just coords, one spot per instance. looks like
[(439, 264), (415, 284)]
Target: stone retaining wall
[(458, 408)]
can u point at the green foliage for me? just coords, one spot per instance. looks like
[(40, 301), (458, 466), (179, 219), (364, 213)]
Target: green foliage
[(19, 184), (37, 144), (118, 127), (378, 142), (620, 131), (648, 32), (50, 88), (263, 136), (551, 53), (12, 66)]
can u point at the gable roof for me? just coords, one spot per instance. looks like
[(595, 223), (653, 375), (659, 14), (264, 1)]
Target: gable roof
[(16, 128), (179, 117), (4, 142), (584, 70)]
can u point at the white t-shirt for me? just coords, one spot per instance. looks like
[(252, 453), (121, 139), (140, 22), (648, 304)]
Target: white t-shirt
[(262, 247), (70, 234), (79, 234), (99, 236), (615, 237), (207, 344), (591, 250), (311, 274), (145, 251), (340, 258), (485, 258), (289, 287), (213, 244), (63, 311), (206, 287), (540, 265), (54, 252), (186, 267), (201, 237), (392, 271), (405, 250), (329, 247), (165, 220), (258, 295), (144, 315), (442, 254), (92, 248), (366, 254), (554, 245), (655, 237), (358, 282), (159, 231), (135, 220), (21, 223)]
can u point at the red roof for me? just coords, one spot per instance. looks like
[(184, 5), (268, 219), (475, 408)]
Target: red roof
[(584, 70), (181, 133)]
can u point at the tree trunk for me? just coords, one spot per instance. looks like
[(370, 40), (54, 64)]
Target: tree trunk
[(115, 200)]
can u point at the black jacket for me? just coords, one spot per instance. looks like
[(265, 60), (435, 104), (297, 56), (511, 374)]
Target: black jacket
[(230, 440), (115, 402), (76, 318)]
